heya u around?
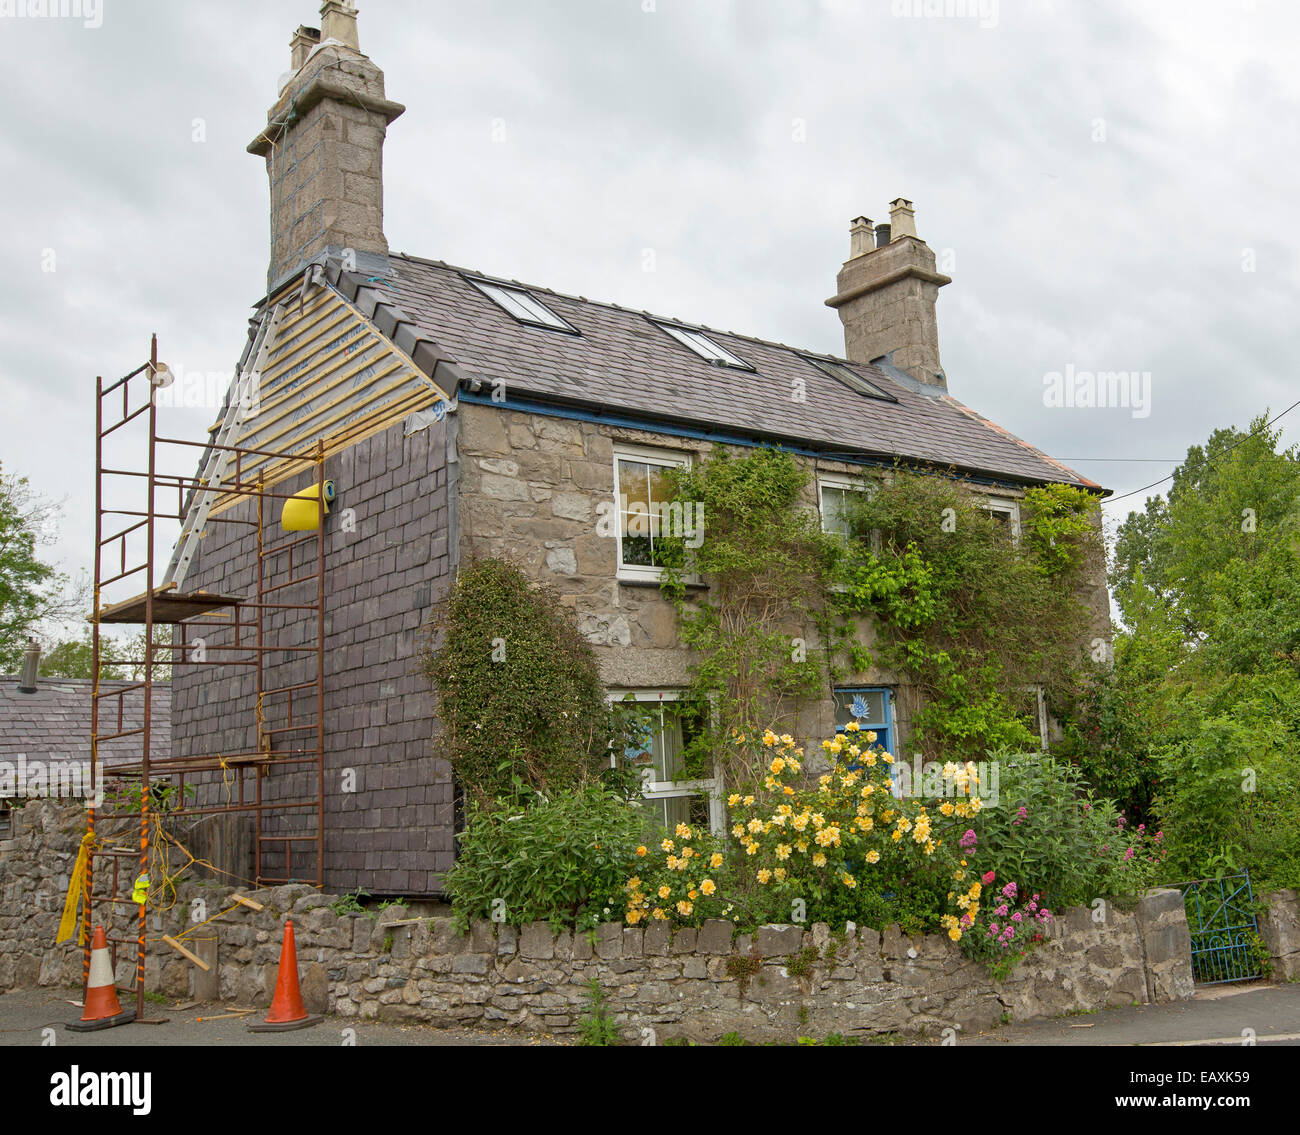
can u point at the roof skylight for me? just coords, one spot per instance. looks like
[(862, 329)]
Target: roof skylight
[(523, 306), (703, 346), (850, 378)]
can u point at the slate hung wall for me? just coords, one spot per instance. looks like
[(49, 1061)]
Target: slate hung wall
[(393, 834)]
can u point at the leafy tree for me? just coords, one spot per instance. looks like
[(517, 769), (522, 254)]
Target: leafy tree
[(1199, 725), (31, 591), (72, 659), (1232, 502)]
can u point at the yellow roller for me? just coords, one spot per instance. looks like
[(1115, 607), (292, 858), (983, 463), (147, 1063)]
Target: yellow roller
[(301, 512)]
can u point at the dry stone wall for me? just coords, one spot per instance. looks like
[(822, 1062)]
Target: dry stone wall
[(776, 984)]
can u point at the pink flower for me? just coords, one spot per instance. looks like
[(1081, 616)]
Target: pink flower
[(969, 838), (993, 927), (1128, 855), (1009, 890), (966, 921), (1017, 917), (1001, 911), (1142, 827), (987, 878), (1121, 822), (1033, 906)]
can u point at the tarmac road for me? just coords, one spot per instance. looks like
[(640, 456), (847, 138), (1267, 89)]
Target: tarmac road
[(1217, 1016)]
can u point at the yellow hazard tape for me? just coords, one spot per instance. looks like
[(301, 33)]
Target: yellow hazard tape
[(69, 921)]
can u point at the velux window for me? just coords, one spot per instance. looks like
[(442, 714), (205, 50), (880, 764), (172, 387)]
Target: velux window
[(848, 377), (703, 346), (523, 306)]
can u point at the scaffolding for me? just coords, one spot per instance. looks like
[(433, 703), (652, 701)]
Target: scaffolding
[(281, 622)]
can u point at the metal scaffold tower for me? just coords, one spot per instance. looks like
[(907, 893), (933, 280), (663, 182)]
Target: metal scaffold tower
[(278, 623)]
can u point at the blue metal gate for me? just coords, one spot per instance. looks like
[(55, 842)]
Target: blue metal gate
[(1225, 934)]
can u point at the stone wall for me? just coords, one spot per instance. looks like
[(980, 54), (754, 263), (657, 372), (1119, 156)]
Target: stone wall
[(1280, 929), (776, 984)]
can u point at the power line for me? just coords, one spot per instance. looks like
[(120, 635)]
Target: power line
[(1144, 488)]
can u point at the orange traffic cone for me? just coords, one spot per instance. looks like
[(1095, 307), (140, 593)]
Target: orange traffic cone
[(287, 1010), (102, 1009)]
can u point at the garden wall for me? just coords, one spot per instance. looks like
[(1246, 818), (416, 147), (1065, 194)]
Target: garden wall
[(782, 982), (1280, 929)]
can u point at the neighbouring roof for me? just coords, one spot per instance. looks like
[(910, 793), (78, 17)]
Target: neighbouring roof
[(54, 723), (620, 364)]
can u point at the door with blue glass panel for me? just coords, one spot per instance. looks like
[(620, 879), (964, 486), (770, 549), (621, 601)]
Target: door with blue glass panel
[(871, 708)]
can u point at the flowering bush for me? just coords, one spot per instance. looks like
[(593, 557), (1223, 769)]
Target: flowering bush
[(842, 848), (562, 859), (677, 880), (1047, 830), (1008, 928), (1131, 859)]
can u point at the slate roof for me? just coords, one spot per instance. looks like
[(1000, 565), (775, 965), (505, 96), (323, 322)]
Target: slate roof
[(622, 364), (54, 722)]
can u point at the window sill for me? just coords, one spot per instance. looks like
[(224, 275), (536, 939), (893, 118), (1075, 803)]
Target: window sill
[(689, 585)]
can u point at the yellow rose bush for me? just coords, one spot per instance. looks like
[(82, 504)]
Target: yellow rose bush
[(679, 880), (834, 848)]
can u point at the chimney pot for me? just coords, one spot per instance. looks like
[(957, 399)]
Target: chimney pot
[(31, 663), (859, 236), (338, 20), (902, 218), (304, 39), (882, 235)]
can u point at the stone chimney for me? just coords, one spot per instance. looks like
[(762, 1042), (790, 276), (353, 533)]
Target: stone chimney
[(886, 296), (323, 146)]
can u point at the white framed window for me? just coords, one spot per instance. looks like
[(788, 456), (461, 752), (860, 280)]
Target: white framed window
[(647, 512), (669, 723), (1006, 511), (834, 496)]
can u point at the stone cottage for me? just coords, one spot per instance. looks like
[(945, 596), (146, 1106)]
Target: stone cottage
[(464, 415)]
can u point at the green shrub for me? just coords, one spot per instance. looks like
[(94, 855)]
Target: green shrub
[(520, 696), (562, 859), (1046, 832)]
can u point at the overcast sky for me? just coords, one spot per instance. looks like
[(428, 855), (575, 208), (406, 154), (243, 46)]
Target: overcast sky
[(1113, 186)]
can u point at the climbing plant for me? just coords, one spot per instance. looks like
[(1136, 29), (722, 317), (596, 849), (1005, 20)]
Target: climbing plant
[(520, 697), (964, 612), (766, 563), (967, 615)]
